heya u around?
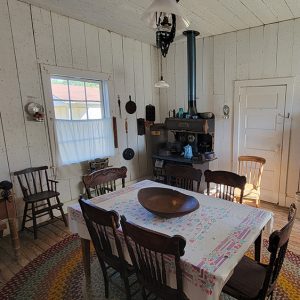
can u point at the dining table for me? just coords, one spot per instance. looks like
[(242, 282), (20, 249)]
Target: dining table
[(218, 234)]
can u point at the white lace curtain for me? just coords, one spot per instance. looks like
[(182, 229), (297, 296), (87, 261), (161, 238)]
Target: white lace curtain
[(79, 141)]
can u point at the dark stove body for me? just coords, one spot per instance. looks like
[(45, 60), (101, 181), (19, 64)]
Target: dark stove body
[(169, 139), (199, 133)]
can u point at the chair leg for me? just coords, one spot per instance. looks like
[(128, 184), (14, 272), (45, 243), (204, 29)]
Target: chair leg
[(127, 286), (24, 216), (34, 221), (144, 294), (105, 277), (62, 212), (50, 211)]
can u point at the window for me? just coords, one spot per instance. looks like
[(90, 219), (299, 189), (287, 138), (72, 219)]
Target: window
[(76, 99), (82, 124)]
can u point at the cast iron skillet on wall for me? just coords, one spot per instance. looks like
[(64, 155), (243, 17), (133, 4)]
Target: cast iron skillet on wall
[(130, 106), (128, 153)]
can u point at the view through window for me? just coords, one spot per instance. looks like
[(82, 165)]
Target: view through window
[(77, 99)]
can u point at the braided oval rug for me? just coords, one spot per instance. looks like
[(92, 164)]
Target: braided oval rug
[(58, 274)]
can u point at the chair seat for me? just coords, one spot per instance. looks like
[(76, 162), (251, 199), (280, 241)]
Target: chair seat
[(247, 279), (250, 192), (41, 196)]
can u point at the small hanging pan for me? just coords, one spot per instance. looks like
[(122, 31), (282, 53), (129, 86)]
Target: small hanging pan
[(130, 106), (128, 153)]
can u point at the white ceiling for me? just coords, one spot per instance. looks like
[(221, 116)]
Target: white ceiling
[(210, 17)]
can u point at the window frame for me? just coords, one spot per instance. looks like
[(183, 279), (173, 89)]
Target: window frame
[(47, 72)]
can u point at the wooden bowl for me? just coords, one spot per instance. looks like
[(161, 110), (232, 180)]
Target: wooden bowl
[(167, 203)]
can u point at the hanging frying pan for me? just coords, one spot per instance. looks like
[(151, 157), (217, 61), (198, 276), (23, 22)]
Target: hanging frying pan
[(128, 153), (130, 106)]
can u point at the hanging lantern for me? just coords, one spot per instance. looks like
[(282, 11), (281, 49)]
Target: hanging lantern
[(165, 16)]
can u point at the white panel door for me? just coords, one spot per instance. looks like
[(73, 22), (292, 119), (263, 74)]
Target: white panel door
[(260, 133)]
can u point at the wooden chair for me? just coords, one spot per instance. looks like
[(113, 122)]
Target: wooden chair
[(254, 280), (252, 168), (102, 181), (102, 226), (183, 176), (226, 183), (149, 252), (38, 190)]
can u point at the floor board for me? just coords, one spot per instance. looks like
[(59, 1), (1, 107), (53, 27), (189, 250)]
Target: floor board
[(55, 232)]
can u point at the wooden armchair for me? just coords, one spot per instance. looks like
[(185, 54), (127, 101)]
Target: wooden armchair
[(183, 176), (103, 181), (226, 183), (252, 168), (149, 252), (38, 190), (254, 280)]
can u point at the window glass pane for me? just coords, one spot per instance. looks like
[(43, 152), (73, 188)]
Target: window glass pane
[(59, 89), (95, 110), (78, 110), (62, 110), (77, 90), (93, 91)]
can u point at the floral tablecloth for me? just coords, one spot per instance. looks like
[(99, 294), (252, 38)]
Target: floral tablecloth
[(217, 234)]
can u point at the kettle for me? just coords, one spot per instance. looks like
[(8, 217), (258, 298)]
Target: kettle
[(188, 152)]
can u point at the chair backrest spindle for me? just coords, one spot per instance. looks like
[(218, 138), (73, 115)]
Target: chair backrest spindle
[(151, 254), (183, 176), (252, 168), (278, 242), (104, 180), (102, 226), (31, 180), (226, 183)]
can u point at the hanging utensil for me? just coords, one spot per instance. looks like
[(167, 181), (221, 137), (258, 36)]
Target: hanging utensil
[(130, 106), (150, 113), (119, 104), (128, 153), (115, 130), (141, 130)]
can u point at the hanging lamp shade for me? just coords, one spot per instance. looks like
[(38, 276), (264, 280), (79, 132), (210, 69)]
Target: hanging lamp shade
[(161, 83), (168, 7)]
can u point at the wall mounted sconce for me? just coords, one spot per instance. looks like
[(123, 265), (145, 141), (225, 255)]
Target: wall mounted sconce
[(226, 111), (36, 111)]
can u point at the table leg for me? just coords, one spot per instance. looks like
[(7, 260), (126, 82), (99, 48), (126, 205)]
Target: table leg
[(257, 247), (14, 236), (86, 257)]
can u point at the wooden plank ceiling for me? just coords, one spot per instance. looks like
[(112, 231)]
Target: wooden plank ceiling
[(210, 17)]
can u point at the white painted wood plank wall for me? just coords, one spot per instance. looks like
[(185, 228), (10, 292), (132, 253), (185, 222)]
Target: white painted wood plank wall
[(30, 35), (268, 51)]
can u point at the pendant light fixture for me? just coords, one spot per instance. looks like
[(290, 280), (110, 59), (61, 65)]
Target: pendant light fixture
[(161, 83), (165, 16)]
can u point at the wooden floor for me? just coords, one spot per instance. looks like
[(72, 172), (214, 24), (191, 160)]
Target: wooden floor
[(53, 233)]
